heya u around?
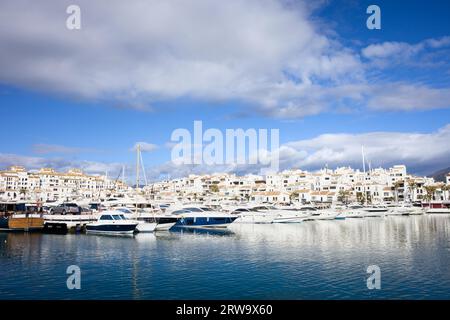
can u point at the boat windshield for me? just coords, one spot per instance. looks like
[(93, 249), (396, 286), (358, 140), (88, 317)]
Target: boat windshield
[(180, 211), (308, 209), (205, 209), (106, 217), (124, 210), (193, 209), (117, 217)]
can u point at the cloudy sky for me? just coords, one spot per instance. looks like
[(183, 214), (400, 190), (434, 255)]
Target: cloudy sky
[(137, 70)]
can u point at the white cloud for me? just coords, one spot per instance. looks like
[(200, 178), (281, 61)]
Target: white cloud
[(403, 51), (42, 148), (406, 97), (60, 164), (145, 146), (421, 152), (272, 54), (140, 52)]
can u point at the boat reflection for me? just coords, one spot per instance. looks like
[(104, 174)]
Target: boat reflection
[(203, 231)]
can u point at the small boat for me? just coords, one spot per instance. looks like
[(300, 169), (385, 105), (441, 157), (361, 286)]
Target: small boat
[(22, 222), (202, 217), (375, 211), (352, 211), (149, 222), (20, 216), (317, 214), (404, 210), (112, 222)]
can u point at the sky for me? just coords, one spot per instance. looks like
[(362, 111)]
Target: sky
[(138, 70)]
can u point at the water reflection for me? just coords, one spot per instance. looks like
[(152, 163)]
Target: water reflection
[(314, 260)]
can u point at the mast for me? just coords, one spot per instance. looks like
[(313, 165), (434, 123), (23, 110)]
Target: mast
[(364, 176), (138, 151)]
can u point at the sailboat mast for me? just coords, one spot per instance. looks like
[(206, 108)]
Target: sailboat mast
[(138, 151), (364, 171)]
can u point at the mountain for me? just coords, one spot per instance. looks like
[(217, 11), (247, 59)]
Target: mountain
[(440, 175)]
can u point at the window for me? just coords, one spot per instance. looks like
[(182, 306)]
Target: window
[(71, 205), (106, 217)]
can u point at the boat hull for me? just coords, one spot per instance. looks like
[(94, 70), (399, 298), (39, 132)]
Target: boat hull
[(204, 222), (111, 228), (24, 223), (143, 227), (255, 219), (438, 211)]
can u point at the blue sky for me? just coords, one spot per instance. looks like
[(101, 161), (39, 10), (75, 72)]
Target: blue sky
[(85, 99)]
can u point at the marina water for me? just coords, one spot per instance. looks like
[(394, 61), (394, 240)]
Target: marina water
[(309, 260)]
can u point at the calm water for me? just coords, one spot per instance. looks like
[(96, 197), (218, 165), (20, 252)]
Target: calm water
[(312, 260)]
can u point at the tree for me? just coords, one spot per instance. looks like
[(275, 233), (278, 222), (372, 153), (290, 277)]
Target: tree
[(412, 186), (214, 188), (445, 188), (360, 197), (430, 190), (294, 195), (23, 192), (343, 196)]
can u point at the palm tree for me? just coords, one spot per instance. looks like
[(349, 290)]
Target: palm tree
[(294, 195), (430, 190), (214, 188), (23, 192), (412, 186), (445, 188), (360, 197)]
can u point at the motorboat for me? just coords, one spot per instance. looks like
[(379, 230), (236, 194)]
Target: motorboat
[(149, 222), (285, 214), (112, 222), (316, 214), (375, 211), (353, 211), (404, 210), (202, 217), (252, 215)]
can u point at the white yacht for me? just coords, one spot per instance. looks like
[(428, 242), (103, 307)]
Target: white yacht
[(404, 210), (290, 215), (252, 215), (149, 222), (375, 211), (316, 214), (353, 211)]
